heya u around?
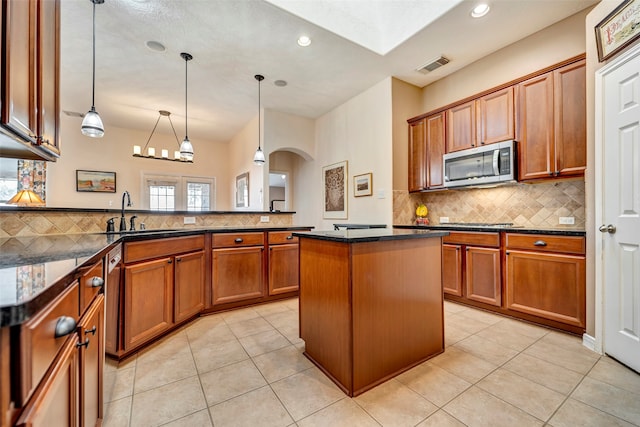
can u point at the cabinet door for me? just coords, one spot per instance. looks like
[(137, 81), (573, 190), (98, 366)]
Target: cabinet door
[(461, 127), (536, 157), (237, 274), (148, 296), (91, 332), (570, 119), (417, 156), (19, 80), (55, 403), (495, 115), (436, 141), (547, 285), (483, 282), (283, 269), (189, 285), (452, 269), (48, 75)]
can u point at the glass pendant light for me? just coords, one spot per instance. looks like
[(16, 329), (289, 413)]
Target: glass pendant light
[(92, 124), (258, 158), (186, 149)]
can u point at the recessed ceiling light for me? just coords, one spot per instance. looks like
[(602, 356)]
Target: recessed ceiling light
[(280, 83), (480, 10), (155, 46), (304, 41)]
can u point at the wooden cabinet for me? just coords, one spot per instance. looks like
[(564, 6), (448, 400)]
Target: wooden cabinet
[(238, 267), (485, 120), (148, 300), (552, 124), (471, 267), (189, 285), (283, 262), (61, 359), (545, 277), (30, 87), (426, 147)]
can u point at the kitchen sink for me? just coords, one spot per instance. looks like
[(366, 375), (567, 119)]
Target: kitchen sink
[(146, 231)]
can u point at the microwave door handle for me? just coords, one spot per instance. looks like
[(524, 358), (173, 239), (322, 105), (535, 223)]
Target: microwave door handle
[(496, 164)]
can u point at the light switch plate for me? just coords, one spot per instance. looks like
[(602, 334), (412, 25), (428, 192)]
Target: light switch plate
[(444, 219), (567, 220), (264, 219), (189, 219)]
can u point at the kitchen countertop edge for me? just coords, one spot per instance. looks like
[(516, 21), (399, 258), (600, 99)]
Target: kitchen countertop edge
[(370, 235), (520, 230)]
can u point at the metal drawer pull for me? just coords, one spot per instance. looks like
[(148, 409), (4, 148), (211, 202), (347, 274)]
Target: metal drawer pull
[(540, 243), (289, 237), (91, 331), (239, 240), (64, 326), (96, 282), (83, 344)]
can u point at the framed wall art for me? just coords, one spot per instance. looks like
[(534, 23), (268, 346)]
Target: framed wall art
[(363, 185), (619, 29), (242, 190), (95, 181), (334, 184)]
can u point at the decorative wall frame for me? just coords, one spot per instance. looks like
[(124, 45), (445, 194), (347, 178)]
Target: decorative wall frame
[(334, 185), (95, 181), (242, 190), (619, 29), (363, 185)]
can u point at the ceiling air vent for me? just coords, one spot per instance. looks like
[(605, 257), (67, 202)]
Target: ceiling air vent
[(432, 65)]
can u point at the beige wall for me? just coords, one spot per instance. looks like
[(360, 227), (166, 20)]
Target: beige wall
[(551, 45), (360, 132), (113, 153), (406, 103)]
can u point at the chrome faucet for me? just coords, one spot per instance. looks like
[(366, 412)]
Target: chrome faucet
[(123, 222)]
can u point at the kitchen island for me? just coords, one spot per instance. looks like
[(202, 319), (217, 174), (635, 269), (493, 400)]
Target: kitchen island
[(371, 303)]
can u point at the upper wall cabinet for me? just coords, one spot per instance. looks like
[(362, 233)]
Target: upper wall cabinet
[(30, 86), (552, 124), (481, 121), (426, 147)]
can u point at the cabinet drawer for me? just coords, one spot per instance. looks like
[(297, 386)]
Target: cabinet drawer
[(149, 249), (279, 237), (473, 238), (90, 284), (546, 243), (38, 344), (223, 240)]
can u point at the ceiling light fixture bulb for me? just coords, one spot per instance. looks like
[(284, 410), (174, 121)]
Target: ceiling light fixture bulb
[(480, 10), (304, 41)]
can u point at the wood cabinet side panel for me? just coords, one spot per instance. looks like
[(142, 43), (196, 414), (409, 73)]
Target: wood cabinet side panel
[(397, 307), (417, 156), (325, 312)]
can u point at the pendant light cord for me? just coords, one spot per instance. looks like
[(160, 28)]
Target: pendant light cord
[(93, 87), (186, 90), (259, 122)]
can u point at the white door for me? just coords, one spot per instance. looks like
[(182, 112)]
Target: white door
[(618, 141)]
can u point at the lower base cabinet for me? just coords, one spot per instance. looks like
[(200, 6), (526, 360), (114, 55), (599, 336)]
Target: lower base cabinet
[(189, 285)]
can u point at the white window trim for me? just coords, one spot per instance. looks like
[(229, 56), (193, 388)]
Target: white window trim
[(180, 182)]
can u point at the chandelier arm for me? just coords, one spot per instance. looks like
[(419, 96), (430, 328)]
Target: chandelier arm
[(174, 131), (152, 131)]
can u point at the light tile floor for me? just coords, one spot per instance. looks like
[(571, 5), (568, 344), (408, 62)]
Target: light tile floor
[(246, 368)]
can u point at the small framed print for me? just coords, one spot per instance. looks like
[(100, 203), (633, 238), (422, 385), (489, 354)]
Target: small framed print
[(334, 184), (95, 181), (619, 29), (242, 190), (363, 185)]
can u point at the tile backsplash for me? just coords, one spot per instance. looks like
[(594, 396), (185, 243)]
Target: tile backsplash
[(527, 205)]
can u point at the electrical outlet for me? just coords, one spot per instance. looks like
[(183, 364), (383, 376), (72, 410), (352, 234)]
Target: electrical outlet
[(444, 219), (189, 219), (264, 219), (567, 220), (380, 193)]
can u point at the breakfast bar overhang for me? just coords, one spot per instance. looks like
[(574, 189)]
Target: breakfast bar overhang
[(371, 302)]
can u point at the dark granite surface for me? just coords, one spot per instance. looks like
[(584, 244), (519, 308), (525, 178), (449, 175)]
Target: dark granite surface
[(513, 229), (370, 235), (35, 269)]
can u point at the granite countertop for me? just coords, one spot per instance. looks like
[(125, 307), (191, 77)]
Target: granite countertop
[(370, 235), (35, 269), (509, 229)]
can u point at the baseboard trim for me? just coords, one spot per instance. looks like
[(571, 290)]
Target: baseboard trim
[(589, 342)]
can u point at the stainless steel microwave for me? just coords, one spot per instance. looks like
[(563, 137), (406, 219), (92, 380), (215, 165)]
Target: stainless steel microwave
[(488, 164)]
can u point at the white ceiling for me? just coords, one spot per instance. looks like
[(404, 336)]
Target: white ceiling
[(232, 40)]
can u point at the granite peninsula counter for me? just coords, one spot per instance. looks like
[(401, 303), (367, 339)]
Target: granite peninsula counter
[(371, 302)]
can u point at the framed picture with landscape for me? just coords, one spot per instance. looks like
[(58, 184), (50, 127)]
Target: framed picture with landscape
[(95, 181), (334, 185), (363, 185)]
